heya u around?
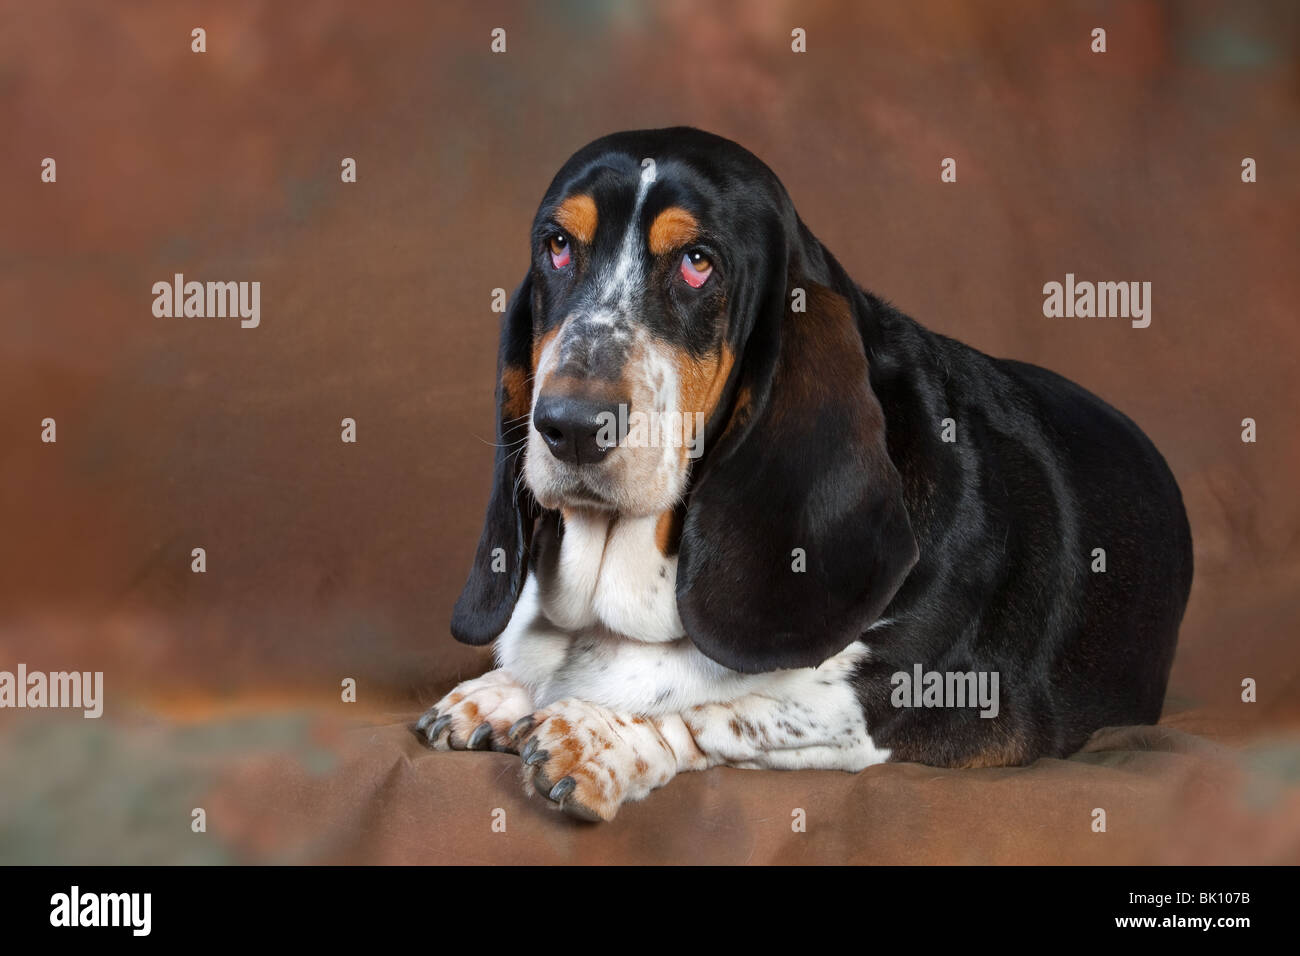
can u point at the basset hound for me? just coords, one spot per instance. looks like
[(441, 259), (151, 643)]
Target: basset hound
[(746, 513)]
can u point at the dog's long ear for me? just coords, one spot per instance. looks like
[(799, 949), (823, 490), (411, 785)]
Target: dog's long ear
[(796, 536), (501, 562)]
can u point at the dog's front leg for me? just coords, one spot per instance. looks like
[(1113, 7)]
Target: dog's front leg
[(588, 759), (477, 714)]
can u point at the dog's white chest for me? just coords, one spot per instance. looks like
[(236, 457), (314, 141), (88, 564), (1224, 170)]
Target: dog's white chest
[(609, 572)]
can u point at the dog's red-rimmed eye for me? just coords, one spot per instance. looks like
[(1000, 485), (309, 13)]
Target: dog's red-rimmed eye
[(559, 246), (696, 268)]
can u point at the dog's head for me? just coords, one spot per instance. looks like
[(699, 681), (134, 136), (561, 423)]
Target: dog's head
[(681, 341)]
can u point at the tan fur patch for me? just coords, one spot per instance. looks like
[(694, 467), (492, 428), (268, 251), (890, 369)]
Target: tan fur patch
[(701, 384), (831, 367), (702, 380), (515, 399), (672, 228), (577, 216), (668, 533), (1002, 753)]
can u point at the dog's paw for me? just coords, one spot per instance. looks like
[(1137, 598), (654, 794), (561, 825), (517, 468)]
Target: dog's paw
[(476, 715), (588, 760)]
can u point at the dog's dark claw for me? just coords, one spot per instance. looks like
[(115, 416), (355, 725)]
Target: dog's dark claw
[(427, 718), (562, 789), (481, 738), (532, 754), (520, 727), (439, 726)]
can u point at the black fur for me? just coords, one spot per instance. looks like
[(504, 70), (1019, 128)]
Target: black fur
[(489, 596)]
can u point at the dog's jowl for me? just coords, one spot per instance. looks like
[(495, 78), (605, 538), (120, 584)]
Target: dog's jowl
[(748, 597)]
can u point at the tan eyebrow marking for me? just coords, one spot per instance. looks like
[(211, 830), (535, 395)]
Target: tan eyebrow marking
[(672, 228), (577, 216)]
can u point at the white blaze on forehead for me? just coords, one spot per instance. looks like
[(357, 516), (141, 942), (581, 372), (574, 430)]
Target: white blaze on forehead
[(604, 316), (624, 279)]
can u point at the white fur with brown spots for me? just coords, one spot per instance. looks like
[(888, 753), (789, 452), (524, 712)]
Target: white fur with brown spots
[(608, 700)]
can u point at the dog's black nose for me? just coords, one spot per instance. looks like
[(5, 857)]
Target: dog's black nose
[(579, 431)]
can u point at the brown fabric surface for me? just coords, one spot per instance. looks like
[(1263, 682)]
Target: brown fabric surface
[(328, 561), (1169, 797)]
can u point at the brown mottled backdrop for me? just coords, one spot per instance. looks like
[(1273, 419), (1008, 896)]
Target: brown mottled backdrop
[(328, 560)]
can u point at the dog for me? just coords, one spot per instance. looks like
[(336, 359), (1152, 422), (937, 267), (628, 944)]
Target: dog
[(869, 507)]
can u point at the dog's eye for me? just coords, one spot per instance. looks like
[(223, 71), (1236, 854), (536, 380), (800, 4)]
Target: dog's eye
[(559, 246), (696, 268)]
